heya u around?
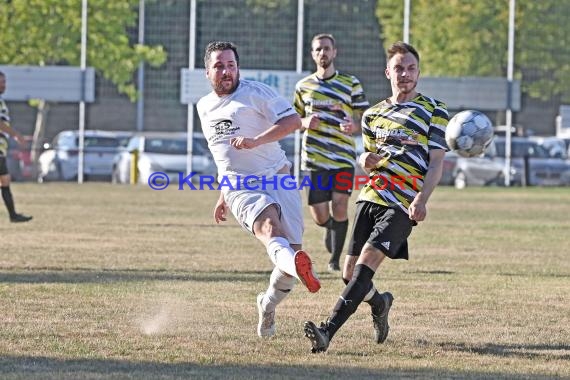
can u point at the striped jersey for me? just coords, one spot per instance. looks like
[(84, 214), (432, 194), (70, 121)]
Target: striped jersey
[(5, 117), (332, 100), (403, 134)]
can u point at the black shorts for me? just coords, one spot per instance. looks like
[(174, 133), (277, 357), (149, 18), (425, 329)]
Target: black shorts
[(385, 228), (325, 182), (3, 166)]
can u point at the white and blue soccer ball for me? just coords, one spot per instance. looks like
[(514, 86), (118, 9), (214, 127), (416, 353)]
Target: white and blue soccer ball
[(469, 133)]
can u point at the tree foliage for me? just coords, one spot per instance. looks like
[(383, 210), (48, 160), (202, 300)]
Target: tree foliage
[(470, 38), (48, 32)]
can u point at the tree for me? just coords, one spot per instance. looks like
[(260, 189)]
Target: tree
[(469, 38), (48, 32)]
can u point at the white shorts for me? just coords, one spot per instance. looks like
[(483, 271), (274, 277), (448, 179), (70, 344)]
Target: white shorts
[(247, 205)]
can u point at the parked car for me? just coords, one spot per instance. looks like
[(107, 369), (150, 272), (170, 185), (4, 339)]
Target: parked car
[(543, 170), (555, 146), (489, 169), (163, 152), (567, 142), (474, 171), (19, 159), (60, 159), (449, 165)]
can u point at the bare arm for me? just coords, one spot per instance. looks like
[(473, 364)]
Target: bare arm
[(276, 132), (417, 209), (7, 128)]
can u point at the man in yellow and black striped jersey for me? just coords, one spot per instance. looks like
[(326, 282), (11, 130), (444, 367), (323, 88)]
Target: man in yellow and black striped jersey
[(330, 103), (6, 131), (404, 145)]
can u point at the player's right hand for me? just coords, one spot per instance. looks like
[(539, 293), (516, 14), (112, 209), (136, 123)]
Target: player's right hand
[(311, 121), (220, 211), (242, 142), (369, 160)]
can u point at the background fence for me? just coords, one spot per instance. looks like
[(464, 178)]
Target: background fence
[(265, 32)]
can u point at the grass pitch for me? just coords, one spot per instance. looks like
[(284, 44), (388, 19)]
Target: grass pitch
[(124, 282)]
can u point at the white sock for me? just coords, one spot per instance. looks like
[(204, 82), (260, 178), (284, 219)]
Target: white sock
[(282, 255), (369, 295), (280, 285)]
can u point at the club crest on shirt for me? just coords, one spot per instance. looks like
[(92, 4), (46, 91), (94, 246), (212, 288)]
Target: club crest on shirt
[(395, 137), (222, 126), (222, 129)]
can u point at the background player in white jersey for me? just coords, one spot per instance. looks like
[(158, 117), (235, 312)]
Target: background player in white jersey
[(243, 121), (6, 131), (404, 145), (330, 103)]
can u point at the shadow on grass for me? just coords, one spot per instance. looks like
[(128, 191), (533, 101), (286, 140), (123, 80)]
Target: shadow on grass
[(553, 275), (201, 225), (430, 272), (527, 351), (99, 275), (29, 367)]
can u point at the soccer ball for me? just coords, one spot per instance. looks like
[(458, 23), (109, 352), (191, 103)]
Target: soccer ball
[(468, 133)]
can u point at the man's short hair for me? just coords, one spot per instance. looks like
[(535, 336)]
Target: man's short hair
[(401, 47), (2, 74), (219, 46), (320, 36)]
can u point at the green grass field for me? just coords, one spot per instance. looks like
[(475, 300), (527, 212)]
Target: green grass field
[(124, 282)]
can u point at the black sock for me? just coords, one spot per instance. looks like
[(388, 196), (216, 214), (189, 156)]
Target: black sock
[(351, 297), (338, 236), (8, 200), (376, 299)]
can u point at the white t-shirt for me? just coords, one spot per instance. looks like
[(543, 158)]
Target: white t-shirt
[(250, 110)]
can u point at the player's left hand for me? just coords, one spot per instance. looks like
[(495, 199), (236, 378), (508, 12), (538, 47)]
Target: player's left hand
[(347, 127), (241, 142), (20, 140), (417, 210)]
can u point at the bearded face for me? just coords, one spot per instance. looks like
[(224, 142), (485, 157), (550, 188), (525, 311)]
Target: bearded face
[(323, 52), (403, 71), (226, 84), (223, 72)]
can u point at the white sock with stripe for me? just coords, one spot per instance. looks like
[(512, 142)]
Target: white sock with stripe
[(280, 285), (282, 255)]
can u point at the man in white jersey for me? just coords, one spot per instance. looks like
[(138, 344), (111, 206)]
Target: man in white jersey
[(243, 121), (6, 131)]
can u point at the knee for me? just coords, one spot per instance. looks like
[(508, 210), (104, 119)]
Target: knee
[(371, 256), (267, 227), (322, 222), (322, 219), (340, 204)]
